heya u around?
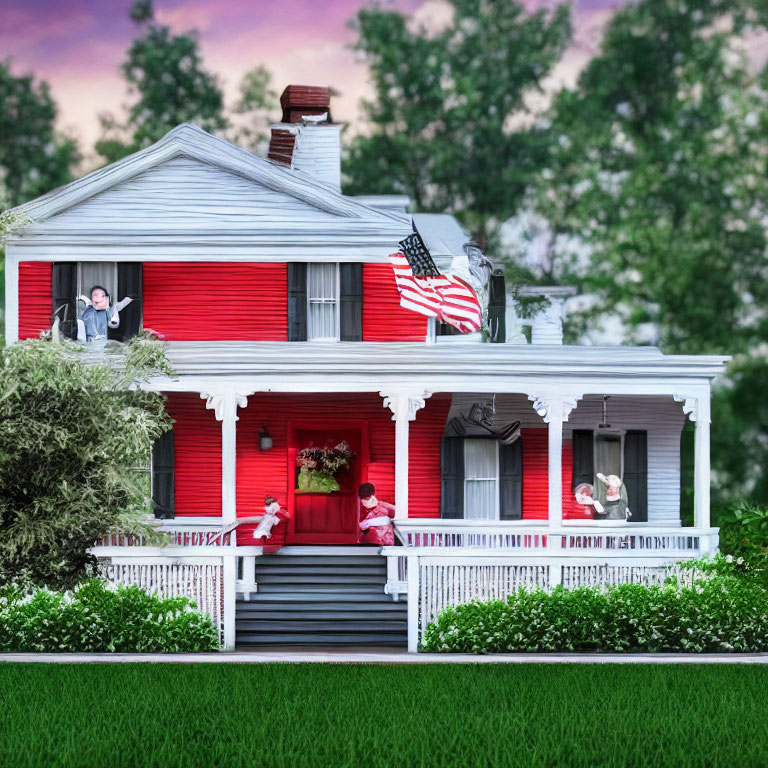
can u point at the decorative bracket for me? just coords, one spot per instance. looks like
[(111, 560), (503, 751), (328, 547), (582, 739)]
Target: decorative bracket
[(690, 405), (225, 404), (546, 405), (415, 402)]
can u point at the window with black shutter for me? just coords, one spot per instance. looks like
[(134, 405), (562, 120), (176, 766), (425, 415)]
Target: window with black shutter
[(162, 476), (511, 480), (636, 473), (351, 302), (129, 279), (452, 477), (64, 294), (297, 301), (497, 307)]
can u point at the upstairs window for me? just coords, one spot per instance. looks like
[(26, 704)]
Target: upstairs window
[(322, 302)]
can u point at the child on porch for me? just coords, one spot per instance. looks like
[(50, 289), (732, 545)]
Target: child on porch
[(377, 525)]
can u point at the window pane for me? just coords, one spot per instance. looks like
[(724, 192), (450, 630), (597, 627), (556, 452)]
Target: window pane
[(322, 321), (480, 484), (480, 459), (608, 454), (480, 500), (103, 274), (321, 281)]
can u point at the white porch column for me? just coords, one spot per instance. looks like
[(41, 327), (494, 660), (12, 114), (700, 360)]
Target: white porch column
[(554, 410), (11, 298), (404, 406), (225, 405), (698, 410)]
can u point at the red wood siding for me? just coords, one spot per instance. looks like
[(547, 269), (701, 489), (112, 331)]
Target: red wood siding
[(535, 474), (383, 317), (197, 455), (424, 438), (216, 302), (263, 472), (35, 299)]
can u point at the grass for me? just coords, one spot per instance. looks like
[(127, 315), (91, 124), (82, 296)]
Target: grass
[(367, 716)]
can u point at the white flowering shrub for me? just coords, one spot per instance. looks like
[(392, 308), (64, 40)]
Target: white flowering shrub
[(723, 609), (93, 618)]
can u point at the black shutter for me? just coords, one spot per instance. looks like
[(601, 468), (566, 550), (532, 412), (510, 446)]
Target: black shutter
[(636, 473), (583, 457), (351, 303), (297, 301), (128, 284), (452, 477), (64, 293), (511, 481), (162, 476), (497, 307)]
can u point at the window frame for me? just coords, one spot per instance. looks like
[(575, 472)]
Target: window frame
[(497, 479), (336, 301)]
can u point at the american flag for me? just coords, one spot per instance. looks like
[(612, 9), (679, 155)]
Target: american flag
[(449, 299)]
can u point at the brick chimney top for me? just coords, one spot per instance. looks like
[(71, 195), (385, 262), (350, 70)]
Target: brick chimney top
[(302, 100)]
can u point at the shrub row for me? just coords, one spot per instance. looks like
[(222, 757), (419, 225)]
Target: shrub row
[(724, 610), (93, 618)]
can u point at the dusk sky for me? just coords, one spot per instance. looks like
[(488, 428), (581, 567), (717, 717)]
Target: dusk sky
[(78, 45)]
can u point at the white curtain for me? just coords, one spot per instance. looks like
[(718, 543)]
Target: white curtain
[(101, 273), (481, 495), (323, 301)]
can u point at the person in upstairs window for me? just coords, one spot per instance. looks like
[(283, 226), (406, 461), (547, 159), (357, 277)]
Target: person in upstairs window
[(100, 314), (376, 524)]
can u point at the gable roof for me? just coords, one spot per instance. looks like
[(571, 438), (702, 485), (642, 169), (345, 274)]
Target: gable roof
[(190, 141)]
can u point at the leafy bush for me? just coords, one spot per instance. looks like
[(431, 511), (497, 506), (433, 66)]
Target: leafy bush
[(71, 435), (725, 608), (744, 533), (93, 618)]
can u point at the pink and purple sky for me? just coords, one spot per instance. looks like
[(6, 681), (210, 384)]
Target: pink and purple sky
[(78, 45)]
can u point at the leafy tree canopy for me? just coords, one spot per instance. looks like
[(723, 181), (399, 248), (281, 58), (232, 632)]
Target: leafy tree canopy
[(654, 196), (446, 107), (165, 76), (34, 157), (71, 437)]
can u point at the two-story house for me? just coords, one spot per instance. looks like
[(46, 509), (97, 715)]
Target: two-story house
[(276, 298)]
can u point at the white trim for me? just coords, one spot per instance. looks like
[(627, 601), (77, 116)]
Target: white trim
[(11, 298)]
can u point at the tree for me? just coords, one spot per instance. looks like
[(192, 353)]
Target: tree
[(446, 106), (654, 201), (164, 73), (251, 111), (71, 437), (34, 156)]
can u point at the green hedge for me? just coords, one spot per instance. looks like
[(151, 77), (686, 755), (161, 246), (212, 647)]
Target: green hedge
[(93, 618), (724, 610)]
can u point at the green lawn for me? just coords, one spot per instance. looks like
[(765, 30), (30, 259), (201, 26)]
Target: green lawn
[(344, 715)]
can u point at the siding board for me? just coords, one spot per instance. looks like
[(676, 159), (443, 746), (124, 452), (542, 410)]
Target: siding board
[(35, 298), (383, 317)]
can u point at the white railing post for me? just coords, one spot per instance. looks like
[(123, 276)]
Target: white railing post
[(11, 297), (413, 603), (403, 406), (229, 573)]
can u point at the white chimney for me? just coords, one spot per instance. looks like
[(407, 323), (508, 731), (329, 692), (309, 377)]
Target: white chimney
[(306, 139)]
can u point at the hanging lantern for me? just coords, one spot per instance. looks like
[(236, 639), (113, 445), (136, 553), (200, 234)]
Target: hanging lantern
[(265, 439)]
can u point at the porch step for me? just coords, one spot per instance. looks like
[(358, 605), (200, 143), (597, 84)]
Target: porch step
[(318, 599)]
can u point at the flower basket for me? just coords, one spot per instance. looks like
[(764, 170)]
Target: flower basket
[(319, 467)]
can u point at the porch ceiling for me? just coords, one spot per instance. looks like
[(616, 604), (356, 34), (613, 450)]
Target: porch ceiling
[(392, 361)]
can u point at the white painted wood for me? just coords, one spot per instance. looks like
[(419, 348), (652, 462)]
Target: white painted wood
[(555, 468), (413, 604), (229, 575), (701, 479), (11, 298)]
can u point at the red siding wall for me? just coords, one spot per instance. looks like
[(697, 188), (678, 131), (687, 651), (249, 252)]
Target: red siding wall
[(424, 438), (216, 302), (535, 474), (35, 298), (383, 317), (197, 455)]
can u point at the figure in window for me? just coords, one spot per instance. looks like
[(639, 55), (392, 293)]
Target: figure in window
[(99, 314)]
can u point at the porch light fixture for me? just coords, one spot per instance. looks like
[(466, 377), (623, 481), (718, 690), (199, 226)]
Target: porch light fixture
[(265, 439), (604, 423)]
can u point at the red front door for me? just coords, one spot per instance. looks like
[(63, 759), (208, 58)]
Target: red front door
[(329, 517)]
